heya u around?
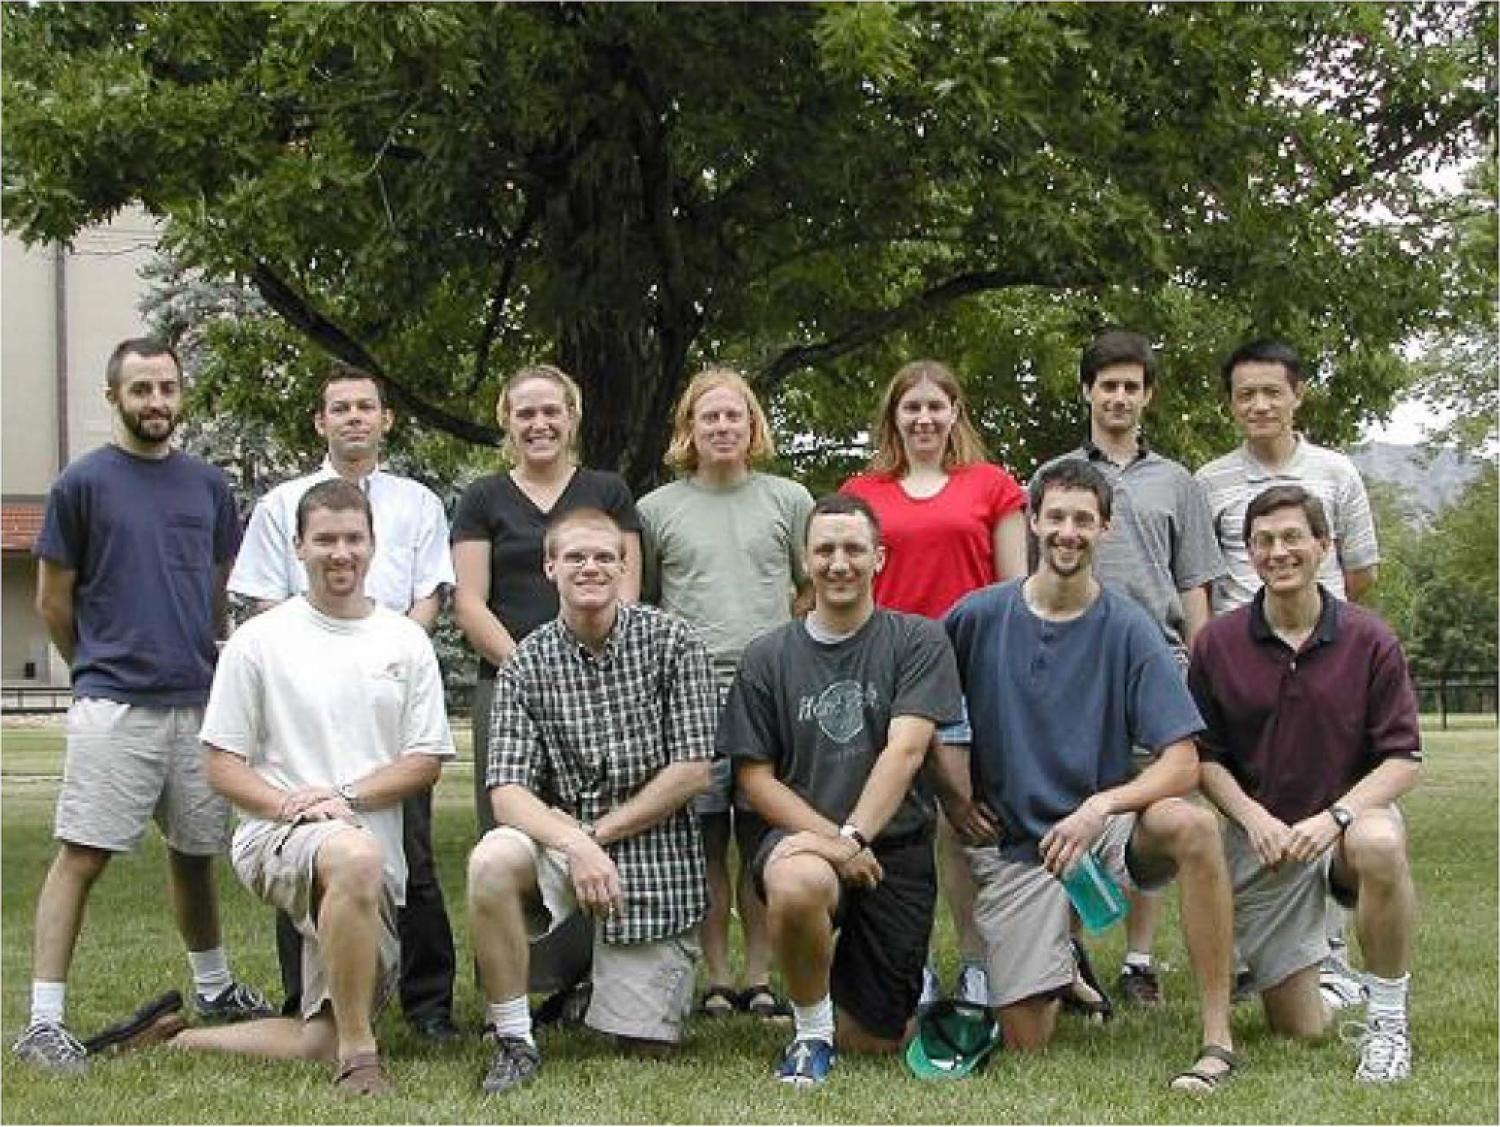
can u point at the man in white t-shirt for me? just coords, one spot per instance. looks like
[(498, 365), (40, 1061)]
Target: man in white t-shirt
[(410, 568), (326, 712)]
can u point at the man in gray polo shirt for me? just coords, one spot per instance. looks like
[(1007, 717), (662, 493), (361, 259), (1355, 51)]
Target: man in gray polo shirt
[(1266, 382), (1160, 550)]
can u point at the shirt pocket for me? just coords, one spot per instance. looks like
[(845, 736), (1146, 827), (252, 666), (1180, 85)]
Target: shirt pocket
[(189, 543)]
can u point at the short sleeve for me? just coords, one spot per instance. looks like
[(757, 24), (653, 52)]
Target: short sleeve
[(1355, 524), (226, 520), (1392, 725), (515, 749), (1196, 558), (799, 509), (747, 724), (432, 565), (471, 519), (61, 540), (260, 570), (927, 675), (691, 700), (1159, 706), (233, 718), (619, 504), (425, 719), (1005, 495)]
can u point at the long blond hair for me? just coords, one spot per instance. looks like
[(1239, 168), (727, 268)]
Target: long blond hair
[(572, 399), (682, 454), (964, 444)]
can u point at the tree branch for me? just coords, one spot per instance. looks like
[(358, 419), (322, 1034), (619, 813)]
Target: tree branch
[(298, 313), (879, 324), (498, 297)]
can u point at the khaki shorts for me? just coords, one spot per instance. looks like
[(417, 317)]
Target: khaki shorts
[(641, 990), (1280, 914), (1022, 912), (281, 868), (126, 765)]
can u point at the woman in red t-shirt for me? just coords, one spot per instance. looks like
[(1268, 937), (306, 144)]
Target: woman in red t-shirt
[(952, 522)]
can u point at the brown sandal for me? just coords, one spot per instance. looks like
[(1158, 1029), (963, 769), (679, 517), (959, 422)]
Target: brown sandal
[(363, 1075), (1194, 1080)]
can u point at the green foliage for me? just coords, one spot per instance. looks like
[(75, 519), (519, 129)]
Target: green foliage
[(1115, 1074), (1439, 586), (814, 192)]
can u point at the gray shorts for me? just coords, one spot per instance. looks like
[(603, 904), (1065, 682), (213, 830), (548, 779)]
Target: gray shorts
[(1280, 914), (281, 869), (1022, 912), (720, 793), (641, 990), (127, 764)]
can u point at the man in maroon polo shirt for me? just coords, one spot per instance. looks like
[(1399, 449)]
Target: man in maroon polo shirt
[(1311, 737)]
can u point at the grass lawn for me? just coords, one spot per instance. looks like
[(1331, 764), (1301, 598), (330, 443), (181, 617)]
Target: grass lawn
[(130, 951)]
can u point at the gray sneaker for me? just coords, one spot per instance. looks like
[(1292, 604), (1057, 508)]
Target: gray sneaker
[(236, 1002), (49, 1045), (516, 1062), (1384, 1049)]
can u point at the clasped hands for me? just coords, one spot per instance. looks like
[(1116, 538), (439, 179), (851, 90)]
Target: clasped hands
[(854, 863)]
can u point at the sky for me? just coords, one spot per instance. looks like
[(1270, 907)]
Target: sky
[(1407, 426)]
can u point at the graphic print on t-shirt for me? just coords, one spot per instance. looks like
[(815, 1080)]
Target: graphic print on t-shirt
[(839, 709)]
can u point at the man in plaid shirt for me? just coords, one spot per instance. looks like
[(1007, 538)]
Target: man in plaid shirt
[(601, 736)]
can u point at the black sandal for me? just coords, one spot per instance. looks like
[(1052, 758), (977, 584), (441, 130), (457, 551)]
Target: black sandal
[(718, 1001), (760, 1001), (1199, 1083)]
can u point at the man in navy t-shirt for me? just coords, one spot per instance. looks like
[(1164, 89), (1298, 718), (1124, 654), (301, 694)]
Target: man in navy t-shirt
[(134, 549), (1063, 678)]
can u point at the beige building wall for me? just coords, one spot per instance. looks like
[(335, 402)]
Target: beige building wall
[(61, 314)]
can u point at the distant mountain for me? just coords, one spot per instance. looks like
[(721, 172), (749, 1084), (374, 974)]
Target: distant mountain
[(1429, 478)]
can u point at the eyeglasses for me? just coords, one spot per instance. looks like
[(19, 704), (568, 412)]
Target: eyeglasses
[(1290, 538)]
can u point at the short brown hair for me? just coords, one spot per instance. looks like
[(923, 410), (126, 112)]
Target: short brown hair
[(682, 454), (340, 372), (1288, 497), (964, 445), (337, 496), (147, 348)]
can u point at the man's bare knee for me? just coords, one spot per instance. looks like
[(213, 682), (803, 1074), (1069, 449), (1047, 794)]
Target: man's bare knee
[(352, 865), (799, 886), (81, 862), (500, 867), (852, 1037)]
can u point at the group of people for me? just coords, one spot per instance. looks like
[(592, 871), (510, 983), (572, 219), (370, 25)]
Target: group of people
[(869, 697)]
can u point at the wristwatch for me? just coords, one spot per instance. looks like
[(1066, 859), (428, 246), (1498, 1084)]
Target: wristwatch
[(350, 794), (851, 831), (1341, 815)]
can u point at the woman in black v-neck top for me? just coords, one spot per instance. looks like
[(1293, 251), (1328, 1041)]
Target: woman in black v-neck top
[(502, 594)]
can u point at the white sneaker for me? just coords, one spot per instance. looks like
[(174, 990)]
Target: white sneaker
[(1341, 986), (1384, 1049), (973, 985), (932, 989)]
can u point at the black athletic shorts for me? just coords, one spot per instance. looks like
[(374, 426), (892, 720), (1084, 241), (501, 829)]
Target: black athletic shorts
[(883, 933)]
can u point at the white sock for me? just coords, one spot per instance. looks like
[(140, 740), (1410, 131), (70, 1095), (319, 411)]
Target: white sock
[(211, 975), (47, 1001), (1137, 959), (815, 1021), (512, 1018), (1387, 996)]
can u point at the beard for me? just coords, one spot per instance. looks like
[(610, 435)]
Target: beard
[(153, 430), (1083, 559)]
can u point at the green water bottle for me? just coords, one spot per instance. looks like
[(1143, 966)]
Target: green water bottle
[(1099, 901)]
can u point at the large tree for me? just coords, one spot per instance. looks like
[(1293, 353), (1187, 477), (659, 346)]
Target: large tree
[(436, 191)]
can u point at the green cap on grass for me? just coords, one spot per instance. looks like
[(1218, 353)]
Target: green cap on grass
[(952, 1040)]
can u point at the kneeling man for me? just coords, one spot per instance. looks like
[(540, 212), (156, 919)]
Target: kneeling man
[(828, 722), (601, 737), (1311, 737), (326, 713), (1063, 678)]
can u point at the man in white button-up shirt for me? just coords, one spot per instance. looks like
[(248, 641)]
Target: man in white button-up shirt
[(410, 568)]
